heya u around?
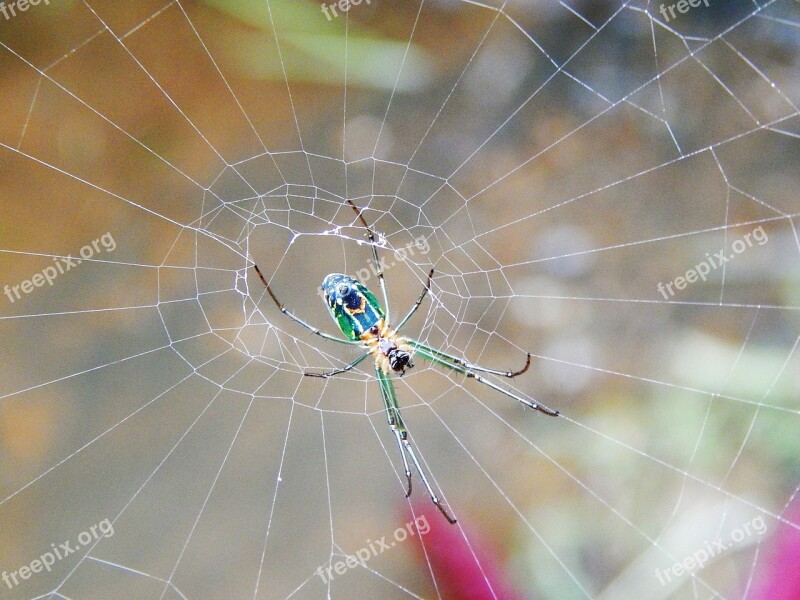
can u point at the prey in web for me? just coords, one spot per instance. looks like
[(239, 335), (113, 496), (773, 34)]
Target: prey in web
[(363, 321)]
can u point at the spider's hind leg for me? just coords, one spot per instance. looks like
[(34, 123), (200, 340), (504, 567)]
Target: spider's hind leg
[(376, 261), (297, 319)]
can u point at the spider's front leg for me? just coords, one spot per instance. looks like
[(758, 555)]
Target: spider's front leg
[(401, 435), (465, 368)]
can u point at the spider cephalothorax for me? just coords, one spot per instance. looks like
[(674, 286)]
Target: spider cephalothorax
[(391, 351), (398, 359), (362, 319)]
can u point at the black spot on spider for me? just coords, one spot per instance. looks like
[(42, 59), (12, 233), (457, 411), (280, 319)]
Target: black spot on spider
[(399, 360)]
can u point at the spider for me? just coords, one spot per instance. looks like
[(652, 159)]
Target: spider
[(364, 322)]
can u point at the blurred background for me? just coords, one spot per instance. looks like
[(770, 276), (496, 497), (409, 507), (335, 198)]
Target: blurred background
[(561, 160)]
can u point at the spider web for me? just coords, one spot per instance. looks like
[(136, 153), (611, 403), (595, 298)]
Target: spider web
[(552, 161)]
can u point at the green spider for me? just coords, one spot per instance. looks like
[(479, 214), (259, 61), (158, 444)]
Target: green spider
[(362, 319)]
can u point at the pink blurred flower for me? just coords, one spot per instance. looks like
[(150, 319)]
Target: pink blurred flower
[(777, 576), (465, 569)]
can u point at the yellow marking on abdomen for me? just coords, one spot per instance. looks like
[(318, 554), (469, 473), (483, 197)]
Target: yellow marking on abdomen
[(360, 309)]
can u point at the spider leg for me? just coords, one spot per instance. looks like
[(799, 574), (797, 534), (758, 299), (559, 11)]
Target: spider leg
[(376, 262), (297, 319), (414, 308), (455, 360), (327, 374), (427, 485), (394, 418), (401, 435), (461, 366)]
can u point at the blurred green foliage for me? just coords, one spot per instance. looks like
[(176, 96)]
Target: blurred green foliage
[(317, 50)]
